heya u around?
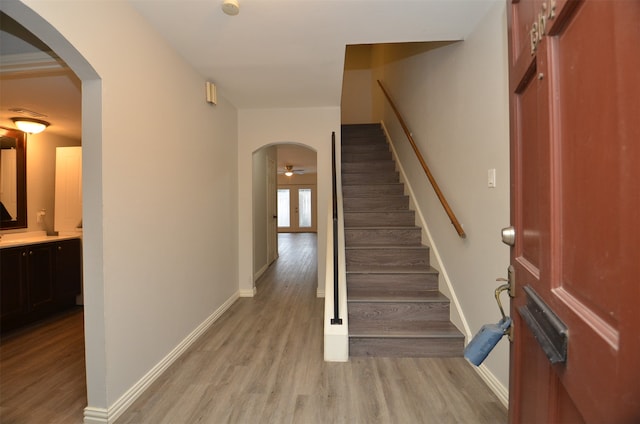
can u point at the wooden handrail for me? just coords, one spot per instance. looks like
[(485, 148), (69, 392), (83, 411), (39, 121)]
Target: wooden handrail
[(432, 180)]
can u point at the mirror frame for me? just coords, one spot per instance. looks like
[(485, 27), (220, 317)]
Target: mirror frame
[(21, 179)]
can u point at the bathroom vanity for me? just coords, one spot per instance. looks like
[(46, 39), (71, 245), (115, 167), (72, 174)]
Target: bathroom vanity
[(39, 276)]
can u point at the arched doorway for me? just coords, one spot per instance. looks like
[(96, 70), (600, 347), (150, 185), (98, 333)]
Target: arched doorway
[(92, 190), (271, 163)]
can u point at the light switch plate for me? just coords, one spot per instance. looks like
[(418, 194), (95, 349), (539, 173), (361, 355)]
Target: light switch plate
[(491, 178)]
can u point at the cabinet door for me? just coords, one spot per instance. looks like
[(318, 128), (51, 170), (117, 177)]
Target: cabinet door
[(12, 290), (40, 276), (68, 271)]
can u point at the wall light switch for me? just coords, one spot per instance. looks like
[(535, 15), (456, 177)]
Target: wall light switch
[(491, 178)]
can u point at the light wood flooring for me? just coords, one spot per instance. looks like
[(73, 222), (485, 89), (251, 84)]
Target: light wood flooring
[(42, 372), (262, 362)]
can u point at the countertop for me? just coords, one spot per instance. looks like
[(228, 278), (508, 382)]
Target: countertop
[(34, 237)]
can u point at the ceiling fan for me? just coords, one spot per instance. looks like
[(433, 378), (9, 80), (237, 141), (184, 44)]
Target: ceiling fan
[(289, 171)]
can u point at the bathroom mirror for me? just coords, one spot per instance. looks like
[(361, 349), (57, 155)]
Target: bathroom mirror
[(13, 179)]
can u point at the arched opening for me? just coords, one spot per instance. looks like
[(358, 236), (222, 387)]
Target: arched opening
[(284, 198), (92, 193)]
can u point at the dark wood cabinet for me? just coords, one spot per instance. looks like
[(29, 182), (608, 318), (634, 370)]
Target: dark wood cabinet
[(39, 276), (68, 268), (13, 291), (38, 280)]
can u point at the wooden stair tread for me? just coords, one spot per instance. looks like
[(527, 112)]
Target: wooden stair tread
[(405, 329), (353, 269), (400, 247), (385, 227), (395, 308), (387, 296)]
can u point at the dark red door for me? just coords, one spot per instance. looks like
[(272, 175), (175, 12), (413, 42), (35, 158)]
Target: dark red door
[(575, 155)]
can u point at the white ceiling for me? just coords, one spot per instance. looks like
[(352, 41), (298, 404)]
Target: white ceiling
[(274, 54), (290, 53)]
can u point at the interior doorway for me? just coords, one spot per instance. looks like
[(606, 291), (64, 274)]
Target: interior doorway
[(68, 71), (281, 170)]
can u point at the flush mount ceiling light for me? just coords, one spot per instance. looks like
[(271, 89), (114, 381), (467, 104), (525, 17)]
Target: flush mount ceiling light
[(231, 7), (30, 125)]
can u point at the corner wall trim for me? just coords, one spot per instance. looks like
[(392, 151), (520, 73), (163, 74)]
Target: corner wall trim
[(248, 293), (110, 415), (95, 415)]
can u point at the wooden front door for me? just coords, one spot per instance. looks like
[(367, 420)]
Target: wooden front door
[(575, 155)]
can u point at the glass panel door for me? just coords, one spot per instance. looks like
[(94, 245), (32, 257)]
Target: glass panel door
[(304, 208), (284, 207), (296, 208)]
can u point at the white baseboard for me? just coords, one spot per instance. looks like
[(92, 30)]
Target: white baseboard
[(110, 415), (248, 292), (95, 415), (260, 272), (494, 384)]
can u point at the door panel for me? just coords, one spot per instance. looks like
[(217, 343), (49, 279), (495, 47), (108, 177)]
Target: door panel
[(575, 134)]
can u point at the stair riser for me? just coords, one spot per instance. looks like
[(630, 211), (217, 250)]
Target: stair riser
[(415, 258), (395, 282), (368, 167), (365, 147), (406, 348), (379, 219), (354, 190), (386, 203), (385, 236), (385, 177), (383, 312), (359, 157), (373, 130)]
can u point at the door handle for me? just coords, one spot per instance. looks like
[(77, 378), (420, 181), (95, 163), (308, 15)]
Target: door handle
[(509, 236)]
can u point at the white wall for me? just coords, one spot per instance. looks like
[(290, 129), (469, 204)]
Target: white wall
[(160, 190), (311, 127), (455, 102)]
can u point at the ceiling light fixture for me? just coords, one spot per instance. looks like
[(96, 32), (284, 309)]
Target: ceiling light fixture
[(231, 7), (30, 125), (289, 170)]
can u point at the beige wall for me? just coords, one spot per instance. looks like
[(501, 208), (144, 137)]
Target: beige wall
[(455, 102), (310, 127), (159, 190), (357, 86), (41, 169)]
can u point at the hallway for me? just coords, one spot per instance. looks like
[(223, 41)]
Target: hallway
[(262, 361)]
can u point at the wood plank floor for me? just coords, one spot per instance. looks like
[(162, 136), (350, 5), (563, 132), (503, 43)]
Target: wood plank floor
[(42, 372), (261, 362)]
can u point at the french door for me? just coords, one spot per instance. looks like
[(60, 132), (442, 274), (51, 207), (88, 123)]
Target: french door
[(574, 71), (296, 208)]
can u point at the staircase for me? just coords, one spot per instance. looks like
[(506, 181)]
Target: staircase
[(395, 308)]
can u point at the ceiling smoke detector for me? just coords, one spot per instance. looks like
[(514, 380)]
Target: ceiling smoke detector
[(231, 7)]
